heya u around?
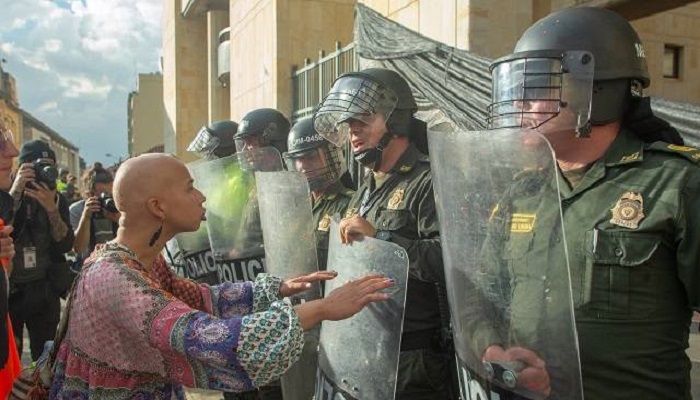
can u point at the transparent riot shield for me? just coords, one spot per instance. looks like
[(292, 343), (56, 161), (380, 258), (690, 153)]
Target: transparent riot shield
[(359, 356), (506, 266), (190, 250), (290, 251), (233, 218)]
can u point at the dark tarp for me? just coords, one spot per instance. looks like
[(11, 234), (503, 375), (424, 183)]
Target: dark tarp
[(453, 86)]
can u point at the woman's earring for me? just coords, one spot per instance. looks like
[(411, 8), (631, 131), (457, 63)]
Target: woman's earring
[(156, 235)]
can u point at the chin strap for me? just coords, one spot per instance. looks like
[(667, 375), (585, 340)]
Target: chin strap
[(372, 158)]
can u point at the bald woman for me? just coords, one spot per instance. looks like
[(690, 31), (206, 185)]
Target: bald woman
[(136, 330)]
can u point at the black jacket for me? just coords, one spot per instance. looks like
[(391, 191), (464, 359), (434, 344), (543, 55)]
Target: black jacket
[(32, 229)]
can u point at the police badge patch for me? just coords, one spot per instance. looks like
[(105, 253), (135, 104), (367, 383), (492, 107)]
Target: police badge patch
[(395, 199), (628, 211), (325, 223)]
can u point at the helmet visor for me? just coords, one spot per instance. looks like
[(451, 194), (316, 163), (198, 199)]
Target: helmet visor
[(321, 166), (543, 92), (351, 97), (204, 143), (264, 159)]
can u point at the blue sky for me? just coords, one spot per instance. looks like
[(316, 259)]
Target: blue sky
[(75, 62)]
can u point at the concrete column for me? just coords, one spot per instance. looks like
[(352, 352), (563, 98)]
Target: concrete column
[(219, 96), (185, 78)]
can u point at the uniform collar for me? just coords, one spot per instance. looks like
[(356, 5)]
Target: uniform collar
[(332, 191), (627, 148), (407, 161)]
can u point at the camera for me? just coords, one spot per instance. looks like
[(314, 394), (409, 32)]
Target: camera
[(107, 204), (46, 173)]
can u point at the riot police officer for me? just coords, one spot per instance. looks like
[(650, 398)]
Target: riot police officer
[(374, 109), (187, 252), (323, 164), (260, 141), (628, 189)]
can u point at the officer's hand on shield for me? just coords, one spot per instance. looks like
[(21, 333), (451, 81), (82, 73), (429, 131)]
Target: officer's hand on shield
[(355, 228), (345, 301), (526, 367), (296, 285)]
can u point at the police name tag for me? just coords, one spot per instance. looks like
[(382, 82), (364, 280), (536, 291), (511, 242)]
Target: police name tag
[(29, 257)]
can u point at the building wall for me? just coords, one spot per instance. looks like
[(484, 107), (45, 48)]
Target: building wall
[(677, 27), (253, 55), (185, 78), (147, 114), (306, 27), (269, 37), (491, 28), (219, 95), (10, 114)]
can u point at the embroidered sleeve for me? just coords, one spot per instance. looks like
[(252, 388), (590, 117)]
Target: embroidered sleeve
[(229, 299), (267, 291), (235, 354), (270, 342)]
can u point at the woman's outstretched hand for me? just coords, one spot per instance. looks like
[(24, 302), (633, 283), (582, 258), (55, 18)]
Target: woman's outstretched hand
[(345, 301), (297, 285)]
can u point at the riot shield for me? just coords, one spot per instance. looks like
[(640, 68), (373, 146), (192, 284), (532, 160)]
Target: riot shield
[(506, 265), (290, 251), (190, 251), (359, 356), (233, 218)]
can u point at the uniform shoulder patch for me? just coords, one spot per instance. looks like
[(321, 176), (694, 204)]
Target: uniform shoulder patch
[(690, 153)]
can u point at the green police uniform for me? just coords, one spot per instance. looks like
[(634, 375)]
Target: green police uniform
[(404, 206), (334, 200), (633, 236)]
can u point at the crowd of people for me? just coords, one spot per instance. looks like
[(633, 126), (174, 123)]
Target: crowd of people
[(601, 312)]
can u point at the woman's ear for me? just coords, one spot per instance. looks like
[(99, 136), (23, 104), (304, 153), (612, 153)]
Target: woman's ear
[(155, 207)]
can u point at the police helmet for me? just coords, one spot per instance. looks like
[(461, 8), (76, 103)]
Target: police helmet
[(358, 95), (318, 159), (578, 36), (215, 140), (262, 128)]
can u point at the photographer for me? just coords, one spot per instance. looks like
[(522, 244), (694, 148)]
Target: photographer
[(95, 219), (42, 237)]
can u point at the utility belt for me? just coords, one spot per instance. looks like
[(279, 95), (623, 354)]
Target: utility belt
[(437, 340)]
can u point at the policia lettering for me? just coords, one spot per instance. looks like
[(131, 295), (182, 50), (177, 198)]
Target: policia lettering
[(201, 264)]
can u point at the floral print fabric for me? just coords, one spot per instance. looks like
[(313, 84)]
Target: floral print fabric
[(131, 337)]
